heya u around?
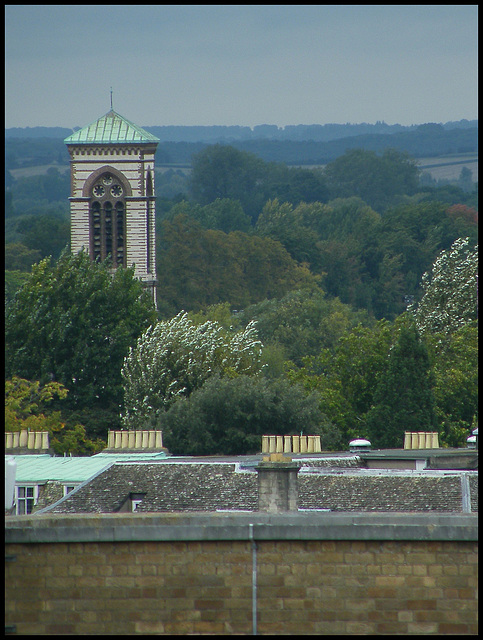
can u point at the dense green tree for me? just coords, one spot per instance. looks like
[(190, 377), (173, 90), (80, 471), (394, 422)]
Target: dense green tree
[(19, 257), (295, 184), (402, 247), (199, 267), (25, 398), (48, 234), (450, 194), (376, 179), (463, 214), (332, 239), (13, 281), (347, 373), (465, 181), (344, 217), (220, 313), (222, 214), (174, 357), (224, 172), (302, 322), (27, 407), (9, 208), (73, 322), (344, 273), (171, 184), (229, 416), (390, 287), (403, 399), (50, 187), (455, 368), (280, 221), (360, 257), (226, 215)]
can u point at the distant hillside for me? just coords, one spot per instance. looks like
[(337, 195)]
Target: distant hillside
[(297, 144), (220, 133), (424, 141), (430, 140), (38, 132)]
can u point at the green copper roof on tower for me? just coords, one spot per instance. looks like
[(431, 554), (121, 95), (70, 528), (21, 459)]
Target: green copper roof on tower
[(111, 129)]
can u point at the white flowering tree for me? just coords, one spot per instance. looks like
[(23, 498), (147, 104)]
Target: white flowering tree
[(450, 291), (173, 358)]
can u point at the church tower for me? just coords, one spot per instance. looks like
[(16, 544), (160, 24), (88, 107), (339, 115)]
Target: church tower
[(112, 202)]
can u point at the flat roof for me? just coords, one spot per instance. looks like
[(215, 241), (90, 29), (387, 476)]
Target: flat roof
[(399, 454)]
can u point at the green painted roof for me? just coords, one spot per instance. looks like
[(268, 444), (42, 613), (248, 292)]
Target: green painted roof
[(113, 129), (42, 468)]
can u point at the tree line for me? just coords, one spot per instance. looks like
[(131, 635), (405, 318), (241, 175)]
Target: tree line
[(295, 144), (322, 265)]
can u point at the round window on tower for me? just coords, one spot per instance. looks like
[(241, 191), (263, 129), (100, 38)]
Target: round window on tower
[(116, 191), (99, 191)]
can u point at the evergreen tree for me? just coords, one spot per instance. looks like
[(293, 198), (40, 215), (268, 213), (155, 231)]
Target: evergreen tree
[(403, 399)]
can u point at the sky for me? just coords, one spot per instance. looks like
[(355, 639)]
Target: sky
[(240, 64)]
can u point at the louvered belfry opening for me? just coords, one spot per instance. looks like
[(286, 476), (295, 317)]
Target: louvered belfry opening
[(108, 221)]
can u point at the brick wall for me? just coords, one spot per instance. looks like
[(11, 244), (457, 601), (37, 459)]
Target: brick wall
[(205, 586)]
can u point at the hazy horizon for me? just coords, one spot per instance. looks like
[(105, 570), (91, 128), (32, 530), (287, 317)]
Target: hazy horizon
[(301, 124)]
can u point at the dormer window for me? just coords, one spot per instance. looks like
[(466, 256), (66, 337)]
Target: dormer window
[(131, 502), (136, 499)]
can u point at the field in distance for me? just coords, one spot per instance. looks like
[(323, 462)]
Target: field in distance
[(440, 168)]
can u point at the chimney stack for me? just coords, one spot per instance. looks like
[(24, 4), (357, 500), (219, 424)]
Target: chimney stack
[(277, 484)]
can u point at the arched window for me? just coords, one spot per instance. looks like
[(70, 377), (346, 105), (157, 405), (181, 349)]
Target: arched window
[(107, 224)]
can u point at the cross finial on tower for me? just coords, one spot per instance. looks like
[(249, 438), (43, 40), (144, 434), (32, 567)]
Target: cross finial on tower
[(111, 98)]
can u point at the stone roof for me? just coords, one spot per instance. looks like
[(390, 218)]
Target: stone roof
[(112, 129), (381, 492), (168, 487), (473, 482), (181, 486)]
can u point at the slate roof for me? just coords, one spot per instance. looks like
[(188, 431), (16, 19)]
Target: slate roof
[(175, 486), (473, 482), (381, 492)]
